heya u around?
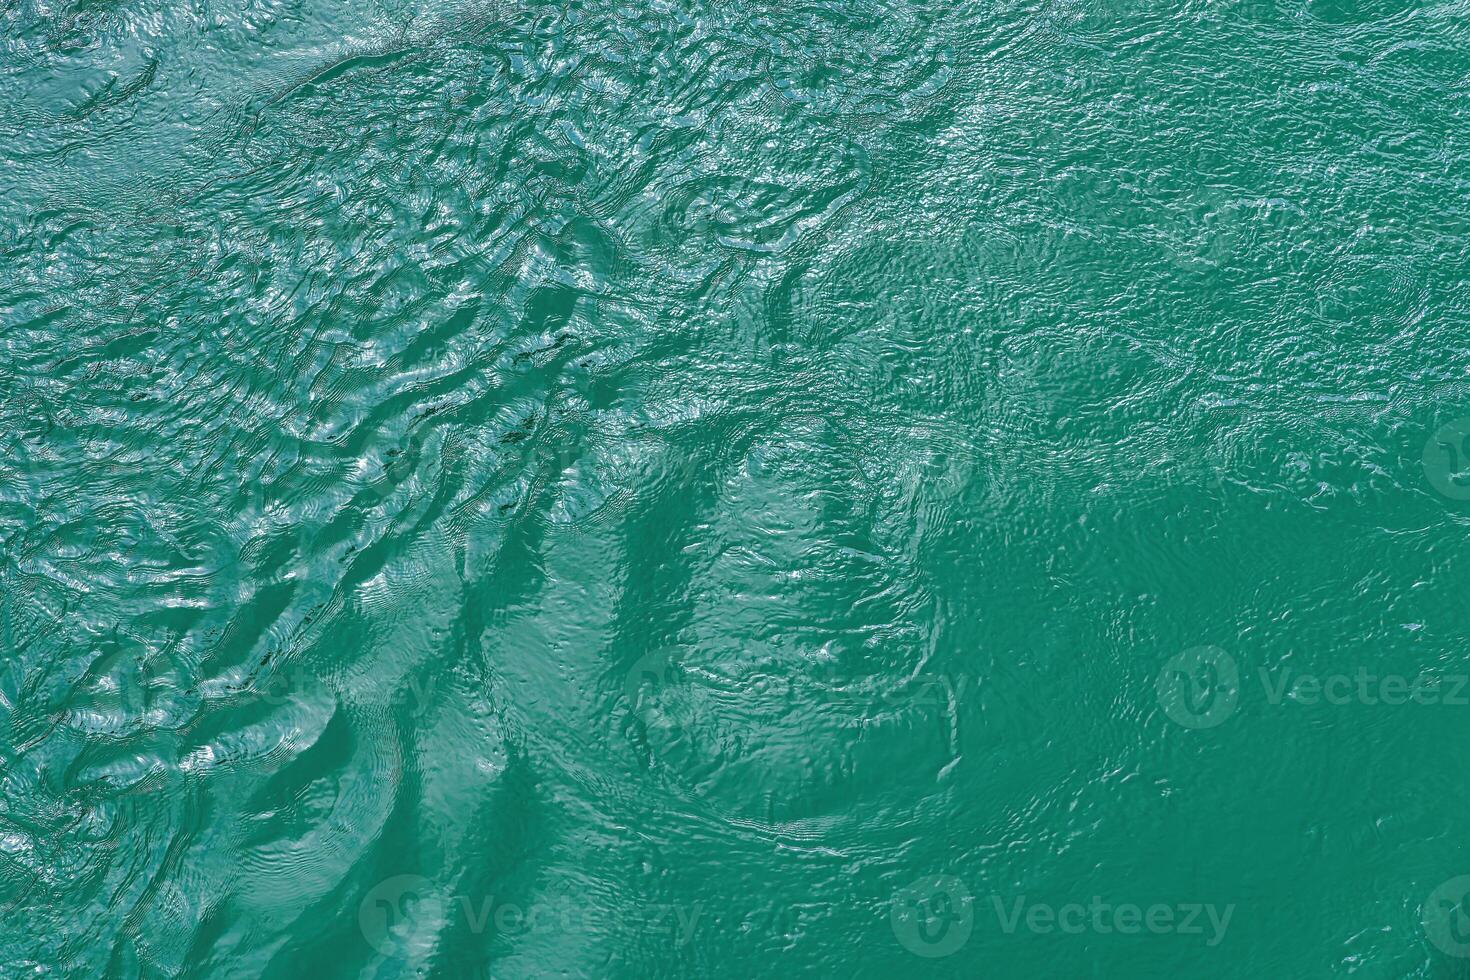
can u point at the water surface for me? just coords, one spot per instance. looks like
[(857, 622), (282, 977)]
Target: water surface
[(707, 489)]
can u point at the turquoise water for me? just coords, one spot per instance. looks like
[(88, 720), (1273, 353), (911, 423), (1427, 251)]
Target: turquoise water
[(683, 489)]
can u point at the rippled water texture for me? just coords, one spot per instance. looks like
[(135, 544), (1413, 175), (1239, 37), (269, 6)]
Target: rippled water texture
[(686, 489)]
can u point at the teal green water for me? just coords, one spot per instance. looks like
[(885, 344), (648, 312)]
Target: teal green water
[(697, 489)]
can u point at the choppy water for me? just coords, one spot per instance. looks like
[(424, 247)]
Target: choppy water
[(717, 489)]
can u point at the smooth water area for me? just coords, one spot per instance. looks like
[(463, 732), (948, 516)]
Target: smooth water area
[(686, 489)]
